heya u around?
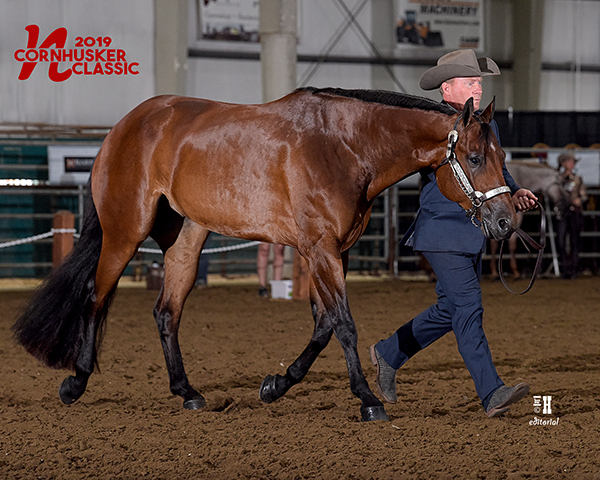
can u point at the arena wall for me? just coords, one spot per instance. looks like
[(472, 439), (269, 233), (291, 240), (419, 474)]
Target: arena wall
[(570, 78)]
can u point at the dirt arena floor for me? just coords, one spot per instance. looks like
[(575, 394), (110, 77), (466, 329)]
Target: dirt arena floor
[(129, 426)]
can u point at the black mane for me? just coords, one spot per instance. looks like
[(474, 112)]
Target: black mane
[(385, 97)]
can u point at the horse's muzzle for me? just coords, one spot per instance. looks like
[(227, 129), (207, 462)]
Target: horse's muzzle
[(498, 221)]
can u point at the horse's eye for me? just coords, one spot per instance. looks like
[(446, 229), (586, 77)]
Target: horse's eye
[(475, 160)]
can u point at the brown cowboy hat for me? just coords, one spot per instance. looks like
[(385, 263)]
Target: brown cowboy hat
[(460, 63)]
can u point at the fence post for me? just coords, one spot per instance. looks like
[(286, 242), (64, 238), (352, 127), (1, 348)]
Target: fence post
[(62, 243)]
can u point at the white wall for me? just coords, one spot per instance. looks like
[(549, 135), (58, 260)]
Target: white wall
[(85, 99), (570, 35), (234, 81), (239, 80)]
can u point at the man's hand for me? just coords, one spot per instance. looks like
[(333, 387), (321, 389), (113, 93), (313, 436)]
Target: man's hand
[(524, 200)]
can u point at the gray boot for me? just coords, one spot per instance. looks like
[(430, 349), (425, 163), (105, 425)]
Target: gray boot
[(505, 396), (386, 376)]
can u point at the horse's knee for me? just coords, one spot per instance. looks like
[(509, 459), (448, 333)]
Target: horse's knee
[(345, 332), (322, 334)]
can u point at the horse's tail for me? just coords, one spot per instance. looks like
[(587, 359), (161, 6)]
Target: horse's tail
[(55, 321)]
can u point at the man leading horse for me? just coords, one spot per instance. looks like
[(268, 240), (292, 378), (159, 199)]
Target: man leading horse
[(453, 245)]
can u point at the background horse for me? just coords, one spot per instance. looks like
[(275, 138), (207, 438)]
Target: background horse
[(300, 171), (540, 178), (535, 176)]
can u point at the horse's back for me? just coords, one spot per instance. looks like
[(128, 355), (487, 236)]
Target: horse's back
[(215, 162), (240, 170)]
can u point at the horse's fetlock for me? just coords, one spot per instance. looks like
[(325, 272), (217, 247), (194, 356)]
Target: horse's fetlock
[(293, 373)]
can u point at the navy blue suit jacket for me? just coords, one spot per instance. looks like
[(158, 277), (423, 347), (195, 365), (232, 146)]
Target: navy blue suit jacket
[(441, 225)]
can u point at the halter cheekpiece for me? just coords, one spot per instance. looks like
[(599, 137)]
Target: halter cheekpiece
[(477, 198)]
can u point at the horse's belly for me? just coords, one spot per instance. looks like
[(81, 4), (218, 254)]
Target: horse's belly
[(237, 216)]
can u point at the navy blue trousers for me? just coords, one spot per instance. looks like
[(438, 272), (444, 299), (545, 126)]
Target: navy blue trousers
[(459, 309)]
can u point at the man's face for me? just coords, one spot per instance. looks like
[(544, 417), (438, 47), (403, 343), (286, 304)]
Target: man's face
[(459, 90)]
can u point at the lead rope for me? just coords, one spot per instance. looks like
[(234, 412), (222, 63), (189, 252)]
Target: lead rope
[(526, 239)]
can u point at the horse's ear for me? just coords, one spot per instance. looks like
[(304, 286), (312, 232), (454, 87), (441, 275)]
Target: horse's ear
[(467, 111), (488, 113)]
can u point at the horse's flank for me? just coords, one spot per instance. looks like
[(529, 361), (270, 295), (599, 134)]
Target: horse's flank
[(282, 158)]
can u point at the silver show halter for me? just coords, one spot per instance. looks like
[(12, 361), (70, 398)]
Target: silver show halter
[(477, 198)]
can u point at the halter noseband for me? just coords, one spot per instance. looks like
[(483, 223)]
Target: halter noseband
[(477, 198)]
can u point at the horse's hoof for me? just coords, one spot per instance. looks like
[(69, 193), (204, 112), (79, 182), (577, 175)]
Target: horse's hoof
[(194, 404), (370, 414), (268, 390), (65, 391)]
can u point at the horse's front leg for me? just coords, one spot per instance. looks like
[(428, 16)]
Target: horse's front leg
[(345, 331), (332, 314), (275, 386), (181, 266)]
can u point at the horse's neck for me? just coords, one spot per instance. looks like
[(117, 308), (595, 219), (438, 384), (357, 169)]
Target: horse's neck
[(409, 140)]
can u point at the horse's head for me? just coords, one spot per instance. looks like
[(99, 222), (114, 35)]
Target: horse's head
[(471, 173)]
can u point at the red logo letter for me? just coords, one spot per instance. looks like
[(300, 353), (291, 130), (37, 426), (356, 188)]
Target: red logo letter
[(57, 38)]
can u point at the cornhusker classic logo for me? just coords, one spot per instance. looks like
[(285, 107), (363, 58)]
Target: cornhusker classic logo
[(91, 56)]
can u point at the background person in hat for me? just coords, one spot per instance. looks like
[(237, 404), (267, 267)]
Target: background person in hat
[(455, 257), (569, 214)]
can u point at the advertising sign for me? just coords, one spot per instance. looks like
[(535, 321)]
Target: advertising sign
[(70, 164), (229, 20), (449, 24)]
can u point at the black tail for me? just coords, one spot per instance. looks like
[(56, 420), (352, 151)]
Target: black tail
[(53, 325)]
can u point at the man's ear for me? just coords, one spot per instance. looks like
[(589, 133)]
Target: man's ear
[(444, 88), (467, 112), (488, 113)]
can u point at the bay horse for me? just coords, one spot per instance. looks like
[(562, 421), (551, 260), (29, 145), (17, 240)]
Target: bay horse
[(301, 171)]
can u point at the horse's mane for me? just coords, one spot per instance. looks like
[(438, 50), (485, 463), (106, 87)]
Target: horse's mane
[(397, 100), (385, 97)]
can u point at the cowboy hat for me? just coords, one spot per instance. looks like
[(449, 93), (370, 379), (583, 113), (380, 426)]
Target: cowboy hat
[(460, 63), (563, 157)]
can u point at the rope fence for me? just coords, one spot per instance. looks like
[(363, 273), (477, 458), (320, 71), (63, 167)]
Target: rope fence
[(36, 238), (230, 248), (54, 231)]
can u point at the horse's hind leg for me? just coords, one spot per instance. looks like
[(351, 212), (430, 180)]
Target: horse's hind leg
[(181, 266), (113, 260)]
